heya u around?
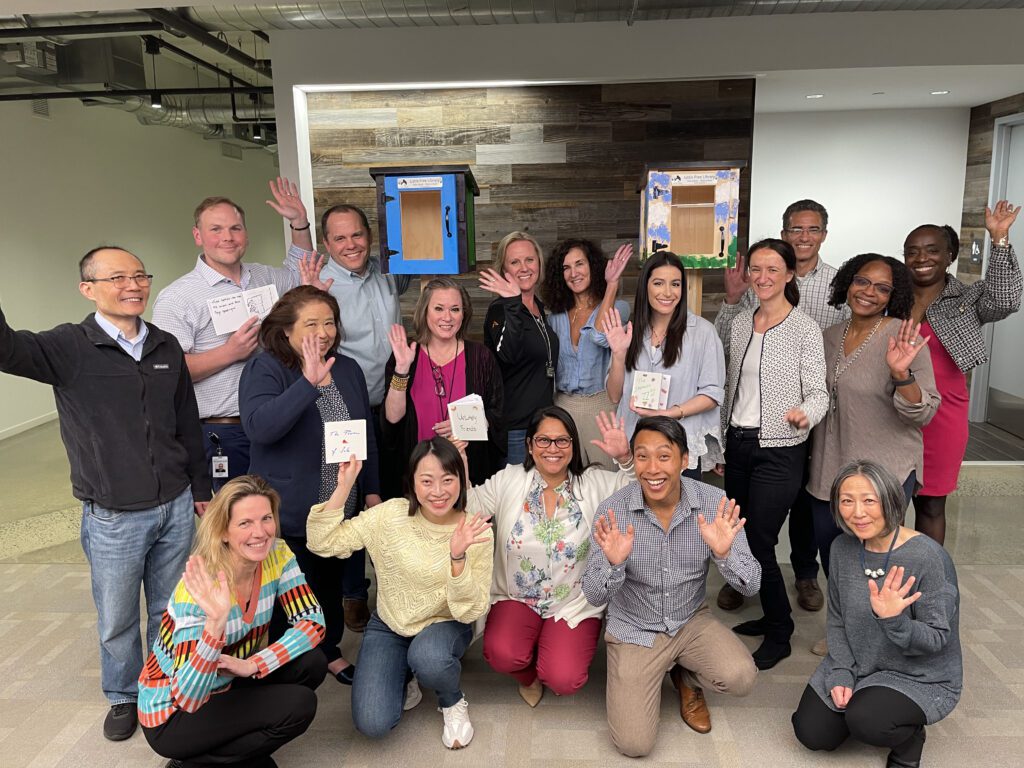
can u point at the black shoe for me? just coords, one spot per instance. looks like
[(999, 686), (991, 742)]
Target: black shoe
[(121, 722), (729, 599), (754, 628), (771, 653), (346, 675), (175, 764)]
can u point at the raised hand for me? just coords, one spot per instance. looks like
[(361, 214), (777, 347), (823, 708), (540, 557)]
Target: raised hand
[(841, 696), (999, 221), (314, 367), (213, 596), (891, 599), (287, 203), (242, 342), (348, 471), (618, 336), (613, 437), (310, 266), (617, 264), (615, 544), (720, 533), (797, 418), (469, 531), (404, 351), (736, 281), (904, 348), (504, 286), (236, 667)]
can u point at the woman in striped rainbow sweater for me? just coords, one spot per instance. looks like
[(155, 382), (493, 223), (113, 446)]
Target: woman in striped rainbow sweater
[(213, 640)]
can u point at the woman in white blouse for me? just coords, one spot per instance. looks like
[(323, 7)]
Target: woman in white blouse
[(541, 630)]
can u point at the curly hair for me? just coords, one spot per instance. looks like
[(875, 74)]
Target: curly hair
[(901, 300), (556, 293)]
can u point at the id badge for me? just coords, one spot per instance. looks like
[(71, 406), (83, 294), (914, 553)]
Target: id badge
[(550, 371), (219, 466)]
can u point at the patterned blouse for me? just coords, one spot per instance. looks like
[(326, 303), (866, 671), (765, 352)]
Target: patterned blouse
[(332, 407), (546, 556)]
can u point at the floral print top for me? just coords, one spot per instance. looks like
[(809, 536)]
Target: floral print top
[(546, 556)]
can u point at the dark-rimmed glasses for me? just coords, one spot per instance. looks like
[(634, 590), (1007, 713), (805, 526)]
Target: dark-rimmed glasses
[(545, 442), (121, 281), (883, 289)]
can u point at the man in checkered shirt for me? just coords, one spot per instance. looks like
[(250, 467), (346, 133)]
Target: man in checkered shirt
[(649, 559)]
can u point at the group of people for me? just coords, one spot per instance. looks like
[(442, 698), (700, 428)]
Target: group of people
[(831, 397)]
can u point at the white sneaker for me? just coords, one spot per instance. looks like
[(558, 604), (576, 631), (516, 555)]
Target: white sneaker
[(413, 695), (458, 731)]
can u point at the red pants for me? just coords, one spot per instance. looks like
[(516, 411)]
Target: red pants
[(520, 643)]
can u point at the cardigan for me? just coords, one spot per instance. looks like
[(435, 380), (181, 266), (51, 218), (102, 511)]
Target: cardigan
[(286, 431), (958, 313), (792, 375), (485, 458), (503, 496), (412, 560)]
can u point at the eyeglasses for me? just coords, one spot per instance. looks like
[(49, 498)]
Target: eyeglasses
[(883, 289), (797, 231), (438, 381), (545, 442), (121, 281)]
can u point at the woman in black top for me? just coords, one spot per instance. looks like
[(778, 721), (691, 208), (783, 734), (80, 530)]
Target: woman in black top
[(516, 330)]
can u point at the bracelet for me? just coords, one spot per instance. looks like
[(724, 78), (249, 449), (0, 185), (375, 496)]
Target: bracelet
[(904, 382), (399, 383), (298, 229), (458, 559), (1002, 242)]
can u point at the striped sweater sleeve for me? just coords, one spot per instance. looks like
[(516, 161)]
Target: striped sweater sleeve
[(195, 651)]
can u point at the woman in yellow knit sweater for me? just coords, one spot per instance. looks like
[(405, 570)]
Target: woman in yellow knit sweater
[(433, 565)]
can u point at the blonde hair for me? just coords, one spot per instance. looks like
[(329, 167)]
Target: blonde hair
[(419, 314), (213, 525), (514, 237)]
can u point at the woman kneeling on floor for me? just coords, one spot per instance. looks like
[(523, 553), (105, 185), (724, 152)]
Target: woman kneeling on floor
[(433, 565), (894, 662), (213, 691)]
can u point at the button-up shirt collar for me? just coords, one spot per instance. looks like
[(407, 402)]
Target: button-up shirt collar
[(132, 346), (212, 276)]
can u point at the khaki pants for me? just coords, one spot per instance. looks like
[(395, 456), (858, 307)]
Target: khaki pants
[(584, 409), (704, 647)]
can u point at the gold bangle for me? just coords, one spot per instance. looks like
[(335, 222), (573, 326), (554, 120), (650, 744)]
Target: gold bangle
[(399, 383)]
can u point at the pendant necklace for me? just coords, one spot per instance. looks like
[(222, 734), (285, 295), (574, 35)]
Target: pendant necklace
[(838, 371), (877, 572)]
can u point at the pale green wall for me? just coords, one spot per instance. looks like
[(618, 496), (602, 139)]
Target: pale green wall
[(93, 175)]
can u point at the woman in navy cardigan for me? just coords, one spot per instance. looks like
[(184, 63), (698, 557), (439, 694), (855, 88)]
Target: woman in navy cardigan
[(286, 394)]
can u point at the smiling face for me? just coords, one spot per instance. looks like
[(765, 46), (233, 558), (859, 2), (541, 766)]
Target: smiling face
[(115, 304), (444, 314), (805, 232), (552, 460), (927, 256), (665, 289), (869, 292), (251, 530), (576, 271), (314, 318), (437, 491), (523, 263), (221, 234), (348, 241), (768, 274), (861, 508), (658, 463)]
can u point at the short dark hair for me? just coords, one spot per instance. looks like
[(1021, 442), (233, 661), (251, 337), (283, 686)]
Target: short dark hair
[(85, 269), (952, 238), (889, 490), (576, 465), (805, 205), (212, 202), (670, 428), (788, 255), (451, 462), (419, 313), (901, 300), (344, 208), (557, 295), (274, 328)]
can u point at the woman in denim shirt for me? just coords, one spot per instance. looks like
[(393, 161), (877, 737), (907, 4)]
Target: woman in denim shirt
[(580, 286)]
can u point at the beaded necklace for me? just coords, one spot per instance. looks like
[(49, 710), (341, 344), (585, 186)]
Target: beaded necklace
[(877, 572), (838, 371)]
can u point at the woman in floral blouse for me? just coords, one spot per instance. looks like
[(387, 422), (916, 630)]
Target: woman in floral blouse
[(540, 629)]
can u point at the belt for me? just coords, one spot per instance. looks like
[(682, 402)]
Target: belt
[(222, 420), (745, 433)]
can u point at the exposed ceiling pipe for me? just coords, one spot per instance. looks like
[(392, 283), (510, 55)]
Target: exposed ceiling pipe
[(80, 30), (183, 54), (171, 115), (24, 21), (117, 94), (200, 35)]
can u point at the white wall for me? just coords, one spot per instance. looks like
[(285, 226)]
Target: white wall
[(878, 173), (94, 175)]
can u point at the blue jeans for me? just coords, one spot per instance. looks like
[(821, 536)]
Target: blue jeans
[(516, 447), (234, 444), (433, 656), (126, 550)]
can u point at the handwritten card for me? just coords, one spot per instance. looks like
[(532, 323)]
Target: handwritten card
[(650, 390), (344, 439), (468, 419), (230, 312)]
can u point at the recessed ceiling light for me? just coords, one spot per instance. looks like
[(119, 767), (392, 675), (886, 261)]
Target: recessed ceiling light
[(940, 93), (815, 96)]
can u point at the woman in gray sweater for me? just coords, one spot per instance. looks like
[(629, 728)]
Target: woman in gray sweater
[(894, 661)]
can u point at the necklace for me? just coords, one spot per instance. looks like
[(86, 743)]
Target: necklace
[(837, 371), (878, 572), (575, 311), (440, 390), (549, 368)]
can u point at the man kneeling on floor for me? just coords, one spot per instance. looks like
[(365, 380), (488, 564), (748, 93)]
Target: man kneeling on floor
[(648, 561)]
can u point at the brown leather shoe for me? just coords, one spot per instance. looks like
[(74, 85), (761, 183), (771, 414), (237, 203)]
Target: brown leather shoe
[(357, 615), (692, 706), (729, 599), (808, 596)]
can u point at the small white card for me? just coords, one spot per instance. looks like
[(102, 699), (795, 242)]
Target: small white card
[(468, 419), (650, 390), (230, 312), (344, 439)]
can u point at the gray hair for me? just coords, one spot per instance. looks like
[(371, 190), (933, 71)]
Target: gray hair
[(889, 490)]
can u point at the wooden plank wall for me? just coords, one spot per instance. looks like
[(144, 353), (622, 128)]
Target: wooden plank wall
[(979, 171), (555, 161)]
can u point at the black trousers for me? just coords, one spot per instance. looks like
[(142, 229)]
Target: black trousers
[(326, 577), (803, 551), (247, 723), (879, 716), (764, 482)]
